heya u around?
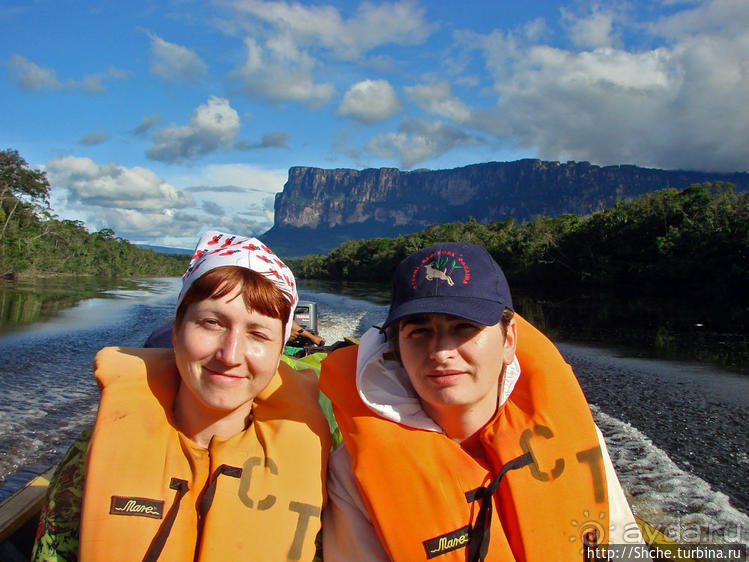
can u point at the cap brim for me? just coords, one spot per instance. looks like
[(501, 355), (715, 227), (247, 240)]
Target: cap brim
[(477, 310)]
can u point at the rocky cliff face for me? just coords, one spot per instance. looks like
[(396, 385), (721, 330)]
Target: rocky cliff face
[(320, 208)]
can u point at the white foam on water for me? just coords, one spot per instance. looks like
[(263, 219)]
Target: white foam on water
[(153, 289), (27, 436), (47, 391), (341, 316), (676, 502)]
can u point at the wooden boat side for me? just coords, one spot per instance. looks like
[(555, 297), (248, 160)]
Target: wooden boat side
[(667, 548), (19, 514)]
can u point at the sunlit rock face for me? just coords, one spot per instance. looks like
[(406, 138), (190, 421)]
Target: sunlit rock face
[(319, 208)]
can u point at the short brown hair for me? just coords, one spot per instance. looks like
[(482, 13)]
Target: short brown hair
[(259, 293)]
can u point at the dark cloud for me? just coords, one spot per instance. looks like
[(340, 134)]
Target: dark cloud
[(269, 140), (35, 78), (93, 138), (146, 124), (213, 209)]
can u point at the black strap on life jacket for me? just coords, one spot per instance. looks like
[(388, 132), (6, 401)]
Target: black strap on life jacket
[(207, 500), (157, 545), (478, 546), (210, 491)]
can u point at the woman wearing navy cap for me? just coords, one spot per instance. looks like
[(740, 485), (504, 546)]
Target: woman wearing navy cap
[(466, 435)]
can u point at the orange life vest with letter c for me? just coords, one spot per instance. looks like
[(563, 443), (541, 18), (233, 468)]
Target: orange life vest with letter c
[(425, 494), (149, 489)]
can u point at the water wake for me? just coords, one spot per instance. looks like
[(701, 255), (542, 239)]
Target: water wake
[(679, 504)]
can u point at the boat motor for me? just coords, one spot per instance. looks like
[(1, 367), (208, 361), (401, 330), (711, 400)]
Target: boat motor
[(306, 316)]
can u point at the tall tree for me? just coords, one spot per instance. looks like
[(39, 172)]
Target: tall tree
[(19, 183)]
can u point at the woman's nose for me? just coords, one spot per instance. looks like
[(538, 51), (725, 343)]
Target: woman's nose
[(229, 351), (442, 346)]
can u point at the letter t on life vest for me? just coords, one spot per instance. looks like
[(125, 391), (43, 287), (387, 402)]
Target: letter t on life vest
[(594, 459), (305, 511)]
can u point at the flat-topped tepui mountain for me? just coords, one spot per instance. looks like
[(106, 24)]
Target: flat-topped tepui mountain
[(319, 208)]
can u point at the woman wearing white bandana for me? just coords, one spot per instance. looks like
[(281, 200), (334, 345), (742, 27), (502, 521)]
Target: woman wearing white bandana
[(212, 451)]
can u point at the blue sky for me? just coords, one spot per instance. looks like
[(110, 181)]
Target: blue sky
[(163, 119)]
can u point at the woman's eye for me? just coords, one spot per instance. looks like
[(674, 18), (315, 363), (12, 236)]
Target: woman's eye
[(211, 323)]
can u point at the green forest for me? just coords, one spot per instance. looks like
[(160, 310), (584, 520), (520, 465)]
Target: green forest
[(34, 242), (690, 242)]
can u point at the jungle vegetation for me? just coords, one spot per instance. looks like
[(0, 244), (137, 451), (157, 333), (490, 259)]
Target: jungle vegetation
[(33, 241), (692, 242)]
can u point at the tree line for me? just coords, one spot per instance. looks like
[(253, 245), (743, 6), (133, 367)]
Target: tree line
[(34, 241), (689, 242), (692, 242)]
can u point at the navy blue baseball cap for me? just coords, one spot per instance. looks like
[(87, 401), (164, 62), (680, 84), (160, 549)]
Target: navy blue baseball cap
[(450, 278)]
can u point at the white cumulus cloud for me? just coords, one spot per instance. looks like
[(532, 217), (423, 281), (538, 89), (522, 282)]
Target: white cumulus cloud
[(593, 30), (179, 229), (678, 104), (245, 192), (244, 177), (287, 43), (213, 124), (175, 62), (369, 101), (417, 140), (372, 25), (111, 185), (280, 72), (438, 98), (145, 208)]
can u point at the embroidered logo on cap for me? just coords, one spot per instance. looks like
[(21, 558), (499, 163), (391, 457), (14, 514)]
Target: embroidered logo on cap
[(142, 507), (441, 267)]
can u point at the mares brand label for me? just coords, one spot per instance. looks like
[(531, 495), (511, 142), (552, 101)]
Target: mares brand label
[(142, 507), (448, 542)]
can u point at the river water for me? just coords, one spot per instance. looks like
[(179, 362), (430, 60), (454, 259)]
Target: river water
[(676, 430)]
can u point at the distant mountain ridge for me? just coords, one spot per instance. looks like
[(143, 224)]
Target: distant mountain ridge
[(166, 249), (320, 208)]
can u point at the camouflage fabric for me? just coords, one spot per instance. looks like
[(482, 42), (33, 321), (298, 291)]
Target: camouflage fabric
[(57, 534)]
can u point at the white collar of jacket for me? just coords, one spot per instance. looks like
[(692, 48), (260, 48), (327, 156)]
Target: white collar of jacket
[(384, 387)]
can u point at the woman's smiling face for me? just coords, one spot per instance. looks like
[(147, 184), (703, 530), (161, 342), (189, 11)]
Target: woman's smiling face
[(226, 355)]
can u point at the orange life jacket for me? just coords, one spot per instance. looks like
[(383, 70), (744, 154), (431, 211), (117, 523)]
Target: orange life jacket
[(423, 490), (149, 489)]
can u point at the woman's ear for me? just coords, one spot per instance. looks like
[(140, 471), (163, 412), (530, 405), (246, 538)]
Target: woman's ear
[(511, 341)]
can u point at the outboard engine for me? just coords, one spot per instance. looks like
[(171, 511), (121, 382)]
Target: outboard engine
[(306, 316)]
